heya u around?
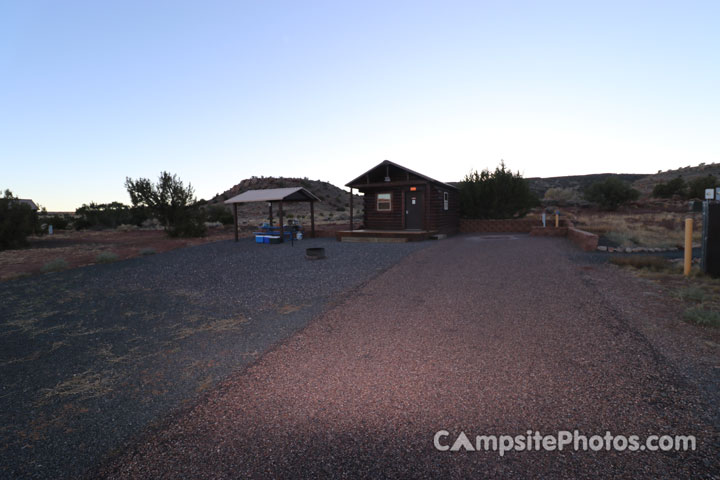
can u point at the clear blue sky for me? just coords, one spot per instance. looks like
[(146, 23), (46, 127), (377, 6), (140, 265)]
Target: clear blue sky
[(94, 91)]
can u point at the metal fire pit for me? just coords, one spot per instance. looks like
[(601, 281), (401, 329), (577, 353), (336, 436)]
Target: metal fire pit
[(314, 253)]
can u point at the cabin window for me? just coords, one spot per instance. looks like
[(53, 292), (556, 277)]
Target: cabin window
[(445, 200), (384, 202)]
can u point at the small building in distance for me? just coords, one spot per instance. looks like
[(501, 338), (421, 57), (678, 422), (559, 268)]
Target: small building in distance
[(401, 200)]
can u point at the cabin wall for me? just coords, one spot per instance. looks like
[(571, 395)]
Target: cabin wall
[(375, 220), (439, 219), (436, 217)]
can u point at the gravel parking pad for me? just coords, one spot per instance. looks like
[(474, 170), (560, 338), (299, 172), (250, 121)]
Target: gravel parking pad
[(475, 334), (90, 357)]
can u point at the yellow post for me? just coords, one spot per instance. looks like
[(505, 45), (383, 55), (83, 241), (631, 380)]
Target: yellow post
[(557, 220), (688, 245)]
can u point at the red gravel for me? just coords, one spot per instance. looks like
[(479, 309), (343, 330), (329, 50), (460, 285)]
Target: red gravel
[(482, 336)]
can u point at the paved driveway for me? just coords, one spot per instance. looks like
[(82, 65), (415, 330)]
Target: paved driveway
[(475, 334)]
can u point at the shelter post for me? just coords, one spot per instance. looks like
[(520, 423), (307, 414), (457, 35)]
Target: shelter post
[(351, 210), (312, 218), (271, 217), (282, 232), (236, 220)]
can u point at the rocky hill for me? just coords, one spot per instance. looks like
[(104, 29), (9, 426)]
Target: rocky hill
[(647, 183), (576, 182), (642, 182), (334, 205)]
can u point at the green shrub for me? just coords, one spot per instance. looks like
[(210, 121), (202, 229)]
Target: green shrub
[(17, 221), (171, 202), (694, 294), (676, 186), (59, 222), (191, 225), (55, 265), (219, 213), (611, 193), (498, 194), (108, 215), (148, 251), (701, 316), (106, 257), (697, 186)]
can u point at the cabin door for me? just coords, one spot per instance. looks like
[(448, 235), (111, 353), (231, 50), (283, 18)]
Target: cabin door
[(414, 209)]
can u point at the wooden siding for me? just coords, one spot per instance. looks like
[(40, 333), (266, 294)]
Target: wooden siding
[(439, 219), (436, 218), (392, 220)]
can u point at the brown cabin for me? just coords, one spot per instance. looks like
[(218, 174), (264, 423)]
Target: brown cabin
[(397, 198)]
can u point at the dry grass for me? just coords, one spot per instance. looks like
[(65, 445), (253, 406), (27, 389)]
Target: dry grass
[(83, 385), (657, 229), (287, 309), (655, 264), (215, 326), (702, 316), (699, 293)]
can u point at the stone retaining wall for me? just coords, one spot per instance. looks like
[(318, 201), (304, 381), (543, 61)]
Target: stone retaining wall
[(585, 240), (522, 225)]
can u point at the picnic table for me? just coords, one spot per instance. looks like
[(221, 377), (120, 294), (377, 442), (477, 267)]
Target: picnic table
[(271, 234)]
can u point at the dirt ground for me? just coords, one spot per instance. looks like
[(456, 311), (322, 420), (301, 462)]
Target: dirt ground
[(485, 335), (81, 248)]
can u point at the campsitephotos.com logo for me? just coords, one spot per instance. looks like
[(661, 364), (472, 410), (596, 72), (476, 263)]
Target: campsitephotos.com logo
[(562, 440)]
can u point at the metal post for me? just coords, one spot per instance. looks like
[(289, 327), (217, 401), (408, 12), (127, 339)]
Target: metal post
[(312, 218), (282, 231), (271, 216), (351, 210), (236, 221), (688, 245)]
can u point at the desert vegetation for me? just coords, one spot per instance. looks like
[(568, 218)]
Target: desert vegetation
[(699, 294), (611, 193), (17, 222), (659, 229), (495, 195)]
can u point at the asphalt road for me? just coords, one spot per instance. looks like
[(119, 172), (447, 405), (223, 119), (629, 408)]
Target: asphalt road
[(483, 335)]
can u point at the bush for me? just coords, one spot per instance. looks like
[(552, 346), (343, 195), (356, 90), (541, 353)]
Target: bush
[(17, 221), (693, 294), (59, 222), (611, 193), (697, 186), (188, 226), (55, 265), (498, 194), (148, 251), (106, 257), (171, 202), (676, 186), (219, 213), (703, 317), (108, 215)]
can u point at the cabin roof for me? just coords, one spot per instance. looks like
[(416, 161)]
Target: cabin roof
[(358, 182), (295, 194)]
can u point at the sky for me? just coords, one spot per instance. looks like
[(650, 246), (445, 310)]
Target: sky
[(92, 92)]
